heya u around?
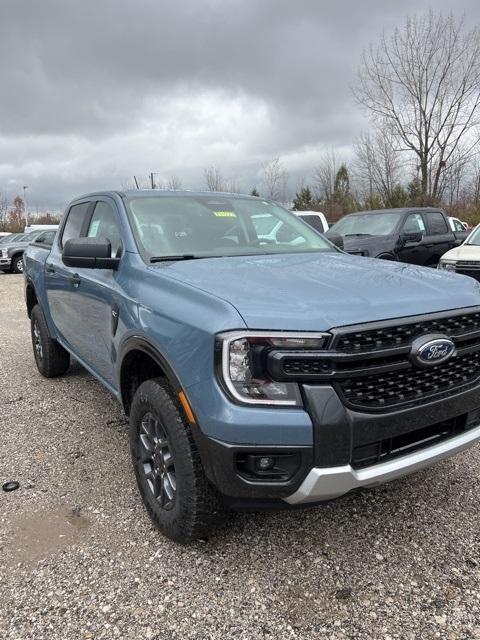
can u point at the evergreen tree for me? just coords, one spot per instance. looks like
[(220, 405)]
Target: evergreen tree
[(304, 200), (341, 189), (254, 192)]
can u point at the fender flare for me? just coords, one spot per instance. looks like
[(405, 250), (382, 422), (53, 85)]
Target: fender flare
[(141, 343)]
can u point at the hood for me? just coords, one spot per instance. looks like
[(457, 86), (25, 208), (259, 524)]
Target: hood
[(14, 245), (318, 291), (463, 252)]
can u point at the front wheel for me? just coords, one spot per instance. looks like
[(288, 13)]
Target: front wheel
[(176, 493)]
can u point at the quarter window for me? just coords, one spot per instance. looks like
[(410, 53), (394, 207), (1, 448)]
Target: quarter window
[(75, 221), (104, 224), (436, 223)]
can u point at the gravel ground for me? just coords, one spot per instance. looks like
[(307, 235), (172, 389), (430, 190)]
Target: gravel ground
[(79, 558)]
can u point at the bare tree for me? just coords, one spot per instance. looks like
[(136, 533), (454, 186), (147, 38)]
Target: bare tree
[(378, 164), (214, 179), (325, 173), (3, 211), (233, 186), (275, 179), (174, 183), (423, 82)]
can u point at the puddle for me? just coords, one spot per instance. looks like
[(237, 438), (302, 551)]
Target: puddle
[(34, 536)]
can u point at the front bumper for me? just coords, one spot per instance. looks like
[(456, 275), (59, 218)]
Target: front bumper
[(327, 483), (5, 262), (333, 443)]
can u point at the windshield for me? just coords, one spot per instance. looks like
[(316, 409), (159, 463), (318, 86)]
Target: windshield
[(474, 237), (6, 239), (367, 224), (204, 226)]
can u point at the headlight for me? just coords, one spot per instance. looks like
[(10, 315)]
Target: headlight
[(4, 253), (448, 265), (241, 365)]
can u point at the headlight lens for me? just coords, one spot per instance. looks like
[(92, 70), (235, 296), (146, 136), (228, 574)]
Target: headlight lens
[(4, 253), (447, 265), (241, 365)]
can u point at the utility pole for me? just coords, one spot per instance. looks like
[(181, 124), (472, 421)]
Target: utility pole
[(151, 180), (136, 182), (25, 204)]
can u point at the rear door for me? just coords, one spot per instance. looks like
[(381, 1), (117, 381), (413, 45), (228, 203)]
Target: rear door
[(440, 238)]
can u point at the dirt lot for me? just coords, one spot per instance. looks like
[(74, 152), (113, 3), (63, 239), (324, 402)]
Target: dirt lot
[(80, 559)]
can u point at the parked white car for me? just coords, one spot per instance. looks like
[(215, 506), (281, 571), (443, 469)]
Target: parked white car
[(267, 228), (457, 225), (464, 259), (315, 219)]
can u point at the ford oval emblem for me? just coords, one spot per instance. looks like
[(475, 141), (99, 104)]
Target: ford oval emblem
[(430, 350)]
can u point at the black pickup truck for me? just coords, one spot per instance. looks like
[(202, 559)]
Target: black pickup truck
[(419, 235)]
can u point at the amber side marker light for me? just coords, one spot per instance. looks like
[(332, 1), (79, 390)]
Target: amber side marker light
[(186, 407)]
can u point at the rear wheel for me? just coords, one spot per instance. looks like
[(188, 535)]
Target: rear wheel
[(178, 497), (17, 264), (51, 358)]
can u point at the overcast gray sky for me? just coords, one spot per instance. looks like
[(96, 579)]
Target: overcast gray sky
[(92, 92)]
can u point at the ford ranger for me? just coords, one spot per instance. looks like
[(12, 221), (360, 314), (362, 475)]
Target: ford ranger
[(256, 372)]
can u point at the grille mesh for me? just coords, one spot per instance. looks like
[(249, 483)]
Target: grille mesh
[(400, 335), (382, 391)]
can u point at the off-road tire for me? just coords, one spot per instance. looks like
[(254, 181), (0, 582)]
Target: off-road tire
[(197, 508), (51, 358)]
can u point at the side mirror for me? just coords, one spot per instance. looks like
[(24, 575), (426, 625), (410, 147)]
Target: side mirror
[(39, 240), (336, 239), (411, 238), (89, 253)]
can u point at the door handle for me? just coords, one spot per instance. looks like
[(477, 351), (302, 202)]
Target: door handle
[(49, 268), (75, 280)]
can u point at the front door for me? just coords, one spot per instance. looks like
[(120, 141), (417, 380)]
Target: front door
[(85, 302)]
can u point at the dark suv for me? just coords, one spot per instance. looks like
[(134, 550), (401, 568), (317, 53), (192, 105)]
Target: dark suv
[(418, 235)]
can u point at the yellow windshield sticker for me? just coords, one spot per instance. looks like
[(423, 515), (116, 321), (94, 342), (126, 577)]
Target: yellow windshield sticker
[(225, 214)]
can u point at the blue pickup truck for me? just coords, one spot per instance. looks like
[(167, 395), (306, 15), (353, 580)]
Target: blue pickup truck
[(256, 372)]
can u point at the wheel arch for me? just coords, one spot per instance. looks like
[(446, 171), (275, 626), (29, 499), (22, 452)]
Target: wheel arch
[(31, 298), (386, 256), (140, 360)]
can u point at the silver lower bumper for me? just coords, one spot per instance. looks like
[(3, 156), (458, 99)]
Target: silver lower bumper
[(332, 482)]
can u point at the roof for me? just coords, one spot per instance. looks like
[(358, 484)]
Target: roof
[(397, 210), (152, 193)]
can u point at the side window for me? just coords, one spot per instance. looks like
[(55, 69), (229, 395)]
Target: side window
[(458, 226), (436, 222), (75, 220), (104, 224), (414, 224)]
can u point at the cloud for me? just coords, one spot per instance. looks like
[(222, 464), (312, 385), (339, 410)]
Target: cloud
[(93, 91)]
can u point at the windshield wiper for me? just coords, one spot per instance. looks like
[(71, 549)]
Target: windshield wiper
[(348, 235), (182, 256)]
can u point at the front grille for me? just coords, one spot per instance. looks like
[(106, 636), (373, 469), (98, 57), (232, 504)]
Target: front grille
[(371, 366), (395, 335), (400, 387), (372, 453)]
